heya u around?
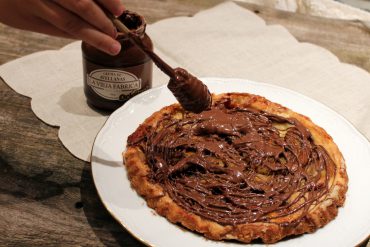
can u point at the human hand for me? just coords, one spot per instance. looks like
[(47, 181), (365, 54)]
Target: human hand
[(79, 19)]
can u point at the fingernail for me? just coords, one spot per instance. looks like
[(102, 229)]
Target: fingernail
[(115, 48), (115, 34), (120, 10)]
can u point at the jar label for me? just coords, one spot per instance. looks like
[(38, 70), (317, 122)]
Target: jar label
[(113, 84)]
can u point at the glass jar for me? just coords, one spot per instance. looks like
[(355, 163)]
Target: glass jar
[(109, 81)]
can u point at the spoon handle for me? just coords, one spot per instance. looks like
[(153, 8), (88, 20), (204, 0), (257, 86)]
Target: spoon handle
[(162, 65)]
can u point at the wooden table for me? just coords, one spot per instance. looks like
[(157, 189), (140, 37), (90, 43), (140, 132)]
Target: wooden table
[(47, 196)]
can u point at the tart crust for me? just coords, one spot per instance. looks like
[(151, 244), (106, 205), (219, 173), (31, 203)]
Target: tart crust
[(317, 216)]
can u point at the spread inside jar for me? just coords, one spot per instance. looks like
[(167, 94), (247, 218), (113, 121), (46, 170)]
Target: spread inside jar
[(131, 20)]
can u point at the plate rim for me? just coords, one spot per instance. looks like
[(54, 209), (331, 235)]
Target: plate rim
[(223, 80)]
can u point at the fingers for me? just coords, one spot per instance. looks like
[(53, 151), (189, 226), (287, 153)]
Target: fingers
[(91, 13), (41, 26), (114, 6), (27, 21), (77, 27)]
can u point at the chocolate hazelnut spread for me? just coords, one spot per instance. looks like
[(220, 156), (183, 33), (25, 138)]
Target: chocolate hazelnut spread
[(109, 81), (189, 91), (192, 94), (237, 165)]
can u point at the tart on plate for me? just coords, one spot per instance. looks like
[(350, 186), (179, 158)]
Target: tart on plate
[(244, 169)]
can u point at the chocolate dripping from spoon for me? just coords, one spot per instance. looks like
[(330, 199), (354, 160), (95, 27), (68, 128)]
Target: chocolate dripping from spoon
[(189, 91)]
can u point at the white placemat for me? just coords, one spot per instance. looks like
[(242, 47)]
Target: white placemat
[(225, 41), (322, 8)]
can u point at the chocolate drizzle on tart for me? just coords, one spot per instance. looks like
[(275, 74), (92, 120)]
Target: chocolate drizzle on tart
[(237, 165)]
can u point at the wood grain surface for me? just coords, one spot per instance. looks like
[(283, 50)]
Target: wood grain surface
[(47, 196)]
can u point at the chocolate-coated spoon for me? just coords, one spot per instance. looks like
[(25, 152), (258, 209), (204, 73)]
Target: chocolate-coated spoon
[(191, 93)]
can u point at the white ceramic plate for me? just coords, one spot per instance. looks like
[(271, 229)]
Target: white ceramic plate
[(350, 227)]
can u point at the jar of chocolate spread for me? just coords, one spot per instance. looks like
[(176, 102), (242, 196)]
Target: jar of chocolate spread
[(109, 81)]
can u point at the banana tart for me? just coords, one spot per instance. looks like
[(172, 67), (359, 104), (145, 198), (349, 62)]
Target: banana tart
[(244, 169)]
